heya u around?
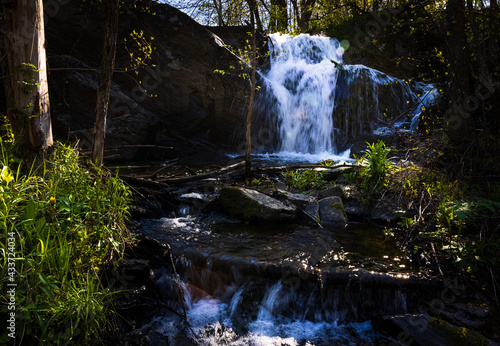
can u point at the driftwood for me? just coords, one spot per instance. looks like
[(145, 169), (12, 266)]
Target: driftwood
[(287, 168), (212, 174), (310, 217), (129, 146), (141, 181)]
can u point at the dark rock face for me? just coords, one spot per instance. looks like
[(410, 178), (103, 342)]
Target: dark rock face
[(331, 211), (192, 108)]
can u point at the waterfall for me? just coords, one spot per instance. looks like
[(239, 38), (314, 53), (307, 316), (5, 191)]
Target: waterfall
[(318, 105), (302, 78)]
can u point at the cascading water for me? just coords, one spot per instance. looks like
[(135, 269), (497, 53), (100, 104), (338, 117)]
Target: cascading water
[(253, 285), (317, 104), (303, 78), (287, 284)]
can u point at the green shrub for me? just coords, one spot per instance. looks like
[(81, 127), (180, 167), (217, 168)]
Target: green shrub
[(304, 180), (374, 167), (63, 222)]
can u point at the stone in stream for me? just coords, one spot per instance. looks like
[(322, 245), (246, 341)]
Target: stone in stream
[(251, 205), (299, 199), (331, 211)]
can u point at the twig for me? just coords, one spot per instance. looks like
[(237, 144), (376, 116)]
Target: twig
[(312, 218), (436, 259), (131, 146)]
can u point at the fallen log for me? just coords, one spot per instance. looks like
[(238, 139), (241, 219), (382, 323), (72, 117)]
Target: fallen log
[(211, 174), (288, 168)]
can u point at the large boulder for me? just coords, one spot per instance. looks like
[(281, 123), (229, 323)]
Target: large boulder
[(331, 211), (252, 205), (176, 100)]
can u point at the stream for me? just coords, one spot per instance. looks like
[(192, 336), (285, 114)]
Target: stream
[(282, 284), (289, 283)]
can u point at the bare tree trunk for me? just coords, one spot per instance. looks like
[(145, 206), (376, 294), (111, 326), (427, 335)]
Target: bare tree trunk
[(458, 114), (254, 8), (25, 71), (278, 18), (306, 11), (253, 62), (218, 9), (107, 65)]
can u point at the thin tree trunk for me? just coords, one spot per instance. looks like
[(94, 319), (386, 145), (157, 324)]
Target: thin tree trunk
[(248, 144), (278, 17), (218, 9), (458, 114), (107, 65), (25, 71)]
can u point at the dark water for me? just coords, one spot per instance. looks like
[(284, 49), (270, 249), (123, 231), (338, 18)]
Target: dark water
[(283, 284)]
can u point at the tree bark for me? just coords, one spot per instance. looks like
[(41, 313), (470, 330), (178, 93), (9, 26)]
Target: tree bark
[(458, 114), (278, 18), (306, 11), (248, 134), (105, 78), (25, 71)]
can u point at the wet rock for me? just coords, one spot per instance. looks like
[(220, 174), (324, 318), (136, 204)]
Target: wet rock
[(355, 210), (470, 314), (299, 199), (331, 174), (421, 329), (251, 205), (313, 210), (411, 330), (198, 201), (331, 211), (335, 191), (386, 210)]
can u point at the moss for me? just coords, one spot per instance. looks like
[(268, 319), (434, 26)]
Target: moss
[(234, 203), (341, 208), (459, 335)]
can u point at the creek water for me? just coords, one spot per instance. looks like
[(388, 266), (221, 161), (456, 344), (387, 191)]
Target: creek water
[(284, 284), (290, 284)]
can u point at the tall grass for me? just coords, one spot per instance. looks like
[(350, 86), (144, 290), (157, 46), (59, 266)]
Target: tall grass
[(60, 224)]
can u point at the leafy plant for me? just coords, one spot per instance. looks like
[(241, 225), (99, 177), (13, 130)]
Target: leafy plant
[(374, 168), (304, 180), (60, 224)]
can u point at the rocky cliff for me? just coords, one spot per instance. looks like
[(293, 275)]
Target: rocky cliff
[(176, 100)]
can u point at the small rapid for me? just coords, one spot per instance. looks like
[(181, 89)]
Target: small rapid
[(276, 285)]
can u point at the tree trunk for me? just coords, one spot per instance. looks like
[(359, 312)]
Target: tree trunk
[(25, 71), (218, 9), (248, 134), (254, 8), (107, 65), (306, 11), (278, 18), (458, 114)]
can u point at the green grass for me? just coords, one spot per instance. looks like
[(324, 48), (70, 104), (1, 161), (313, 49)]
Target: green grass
[(60, 224)]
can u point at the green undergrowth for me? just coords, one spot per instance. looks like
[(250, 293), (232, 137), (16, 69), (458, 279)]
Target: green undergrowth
[(61, 223), (445, 216), (305, 180)]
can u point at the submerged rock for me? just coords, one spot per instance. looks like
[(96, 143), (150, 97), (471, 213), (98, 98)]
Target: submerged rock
[(331, 211), (251, 205)]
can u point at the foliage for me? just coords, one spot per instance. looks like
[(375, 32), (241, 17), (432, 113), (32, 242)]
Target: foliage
[(304, 180), (60, 224), (374, 167)]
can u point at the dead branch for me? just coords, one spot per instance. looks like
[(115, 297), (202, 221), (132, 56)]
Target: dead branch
[(212, 174)]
